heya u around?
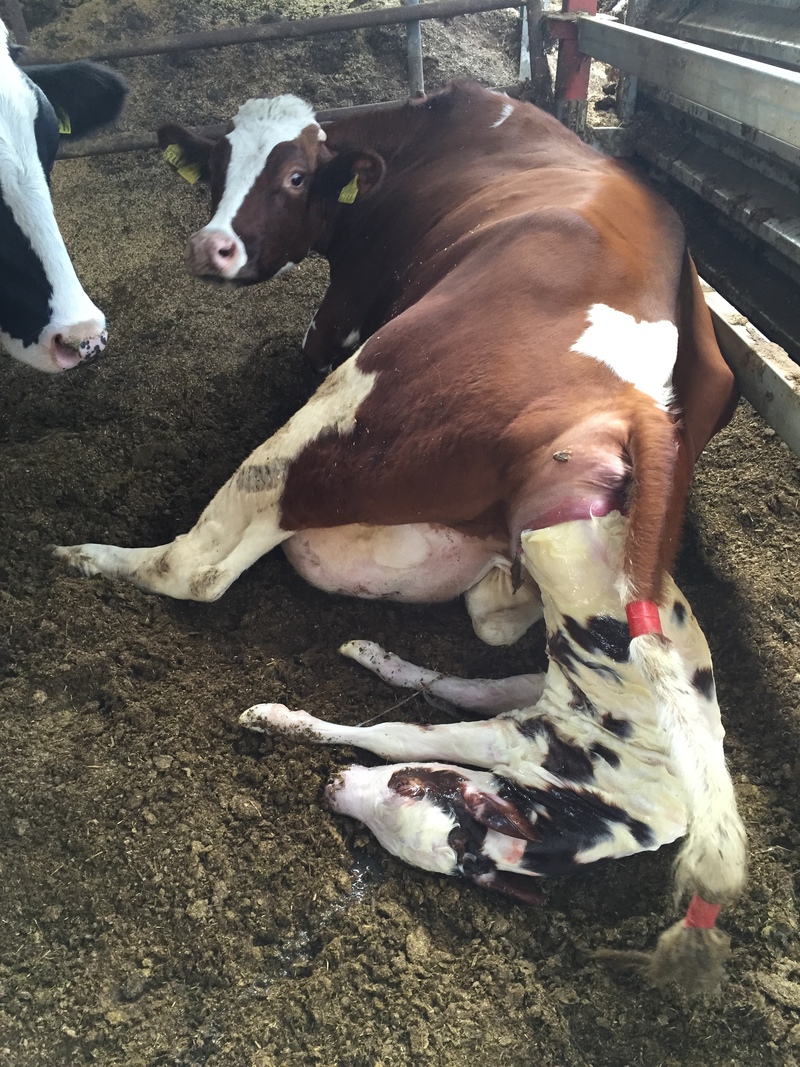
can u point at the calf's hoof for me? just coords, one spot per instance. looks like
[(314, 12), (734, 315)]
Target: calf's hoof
[(78, 557), (267, 717)]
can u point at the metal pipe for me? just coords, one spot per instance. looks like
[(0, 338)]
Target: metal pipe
[(139, 142), (416, 79), (628, 85), (758, 95), (16, 20), (294, 29), (572, 72), (766, 377), (541, 82)]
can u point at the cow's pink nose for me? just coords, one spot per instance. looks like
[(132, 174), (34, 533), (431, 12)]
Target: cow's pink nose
[(82, 342), (213, 252)]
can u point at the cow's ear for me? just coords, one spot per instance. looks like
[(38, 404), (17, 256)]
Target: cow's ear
[(369, 168), (186, 152), (84, 96), (352, 175)]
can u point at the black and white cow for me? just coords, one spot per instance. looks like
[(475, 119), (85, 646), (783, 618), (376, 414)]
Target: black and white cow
[(46, 318)]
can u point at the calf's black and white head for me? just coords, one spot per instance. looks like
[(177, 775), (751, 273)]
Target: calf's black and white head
[(46, 318), (274, 181)]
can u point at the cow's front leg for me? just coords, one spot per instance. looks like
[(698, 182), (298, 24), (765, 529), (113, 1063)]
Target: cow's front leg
[(480, 744), (228, 538), (242, 522), (484, 696)]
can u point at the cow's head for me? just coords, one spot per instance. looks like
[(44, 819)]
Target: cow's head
[(46, 319), (275, 186)]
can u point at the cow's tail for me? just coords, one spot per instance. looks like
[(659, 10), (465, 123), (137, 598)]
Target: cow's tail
[(712, 863)]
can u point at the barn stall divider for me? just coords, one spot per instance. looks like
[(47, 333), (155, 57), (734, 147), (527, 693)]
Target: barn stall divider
[(722, 129)]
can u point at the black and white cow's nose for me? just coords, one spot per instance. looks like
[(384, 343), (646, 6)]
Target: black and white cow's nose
[(67, 347), (214, 253)]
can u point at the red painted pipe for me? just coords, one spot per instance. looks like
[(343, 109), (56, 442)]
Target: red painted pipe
[(572, 70)]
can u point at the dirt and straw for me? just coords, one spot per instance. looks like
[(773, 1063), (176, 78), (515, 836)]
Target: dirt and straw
[(174, 891)]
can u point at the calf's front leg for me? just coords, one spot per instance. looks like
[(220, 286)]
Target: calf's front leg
[(479, 744)]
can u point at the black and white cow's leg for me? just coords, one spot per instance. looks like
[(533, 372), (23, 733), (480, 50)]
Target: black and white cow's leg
[(242, 522), (502, 608), (484, 696), (480, 744)]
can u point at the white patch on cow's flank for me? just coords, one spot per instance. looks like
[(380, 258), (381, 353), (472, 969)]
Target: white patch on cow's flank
[(259, 125), (23, 187), (508, 110), (352, 339), (285, 269), (642, 353)]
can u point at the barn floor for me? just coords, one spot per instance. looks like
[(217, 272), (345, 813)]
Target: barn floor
[(174, 892)]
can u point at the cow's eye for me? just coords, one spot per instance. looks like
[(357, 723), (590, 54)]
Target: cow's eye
[(297, 179)]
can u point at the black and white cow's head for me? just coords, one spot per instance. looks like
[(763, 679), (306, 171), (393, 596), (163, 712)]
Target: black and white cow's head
[(274, 182), (46, 319)]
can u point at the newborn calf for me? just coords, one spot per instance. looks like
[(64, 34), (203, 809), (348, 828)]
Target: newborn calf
[(574, 767)]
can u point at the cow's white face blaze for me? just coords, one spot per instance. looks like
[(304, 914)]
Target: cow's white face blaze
[(46, 318), (232, 245)]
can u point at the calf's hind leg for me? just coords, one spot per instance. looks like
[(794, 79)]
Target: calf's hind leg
[(483, 696)]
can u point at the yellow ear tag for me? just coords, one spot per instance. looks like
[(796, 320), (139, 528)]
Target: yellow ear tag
[(175, 157), (350, 191), (64, 124)]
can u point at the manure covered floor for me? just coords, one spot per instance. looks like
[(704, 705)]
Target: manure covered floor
[(173, 890)]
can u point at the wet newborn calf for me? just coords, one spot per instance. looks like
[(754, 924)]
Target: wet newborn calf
[(575, 765)]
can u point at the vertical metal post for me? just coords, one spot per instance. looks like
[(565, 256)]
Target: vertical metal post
[(538, 68), (16, 21), (416, 81), (572, 73), (626, 93), (524, 48)]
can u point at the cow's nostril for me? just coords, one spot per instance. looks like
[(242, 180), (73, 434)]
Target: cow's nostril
[(227, 251)]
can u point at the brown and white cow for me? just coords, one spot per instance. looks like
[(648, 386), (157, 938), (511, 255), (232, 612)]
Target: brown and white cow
[(537, 376)]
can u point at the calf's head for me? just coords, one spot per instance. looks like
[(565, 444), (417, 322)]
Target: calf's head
[(46, 318), (275, 188)]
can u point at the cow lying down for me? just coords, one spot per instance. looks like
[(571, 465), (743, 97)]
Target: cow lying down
[(537, 376), (574, 766)]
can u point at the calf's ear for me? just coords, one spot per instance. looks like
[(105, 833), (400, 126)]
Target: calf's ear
[(186, 152), (84, 95)]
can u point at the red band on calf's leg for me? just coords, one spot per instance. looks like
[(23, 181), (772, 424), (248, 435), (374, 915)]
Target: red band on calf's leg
[(643, 618), (700, 915)]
